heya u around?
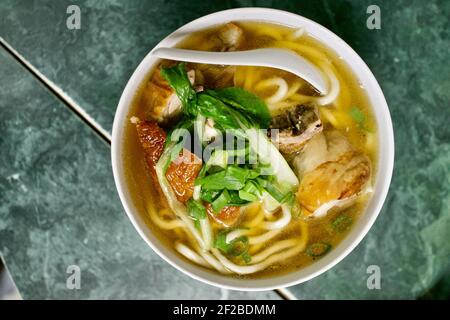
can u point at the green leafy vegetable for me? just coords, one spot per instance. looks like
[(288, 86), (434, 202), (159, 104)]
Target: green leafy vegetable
[(235, 199), (241, 114), (219, 158), (269, 154), (245, 101), (215, 109), (221, 201), (341, 223), (289, 198), (230, 108), (179, 131), (209, 195), (318, 249), (179, 81), (232, 178), (176, 152), (246, 257), (247, 196), (251, 191), (271, 189), (219, 181), (359, 117), (236, 248), (199, 128), (196, 211)]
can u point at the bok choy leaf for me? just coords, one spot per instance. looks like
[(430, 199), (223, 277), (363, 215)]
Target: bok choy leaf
[(246, 102), (179, 81)]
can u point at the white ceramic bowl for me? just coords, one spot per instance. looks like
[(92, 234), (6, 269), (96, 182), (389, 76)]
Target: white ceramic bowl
[(385, 161)]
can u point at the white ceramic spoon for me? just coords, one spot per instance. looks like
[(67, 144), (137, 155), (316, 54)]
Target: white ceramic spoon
[(275, 58)]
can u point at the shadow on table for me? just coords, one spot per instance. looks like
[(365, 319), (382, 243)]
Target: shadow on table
[(440, 291)]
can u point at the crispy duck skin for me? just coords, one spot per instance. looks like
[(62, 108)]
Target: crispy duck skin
[(227, 217), (181, 174), (152, 138)]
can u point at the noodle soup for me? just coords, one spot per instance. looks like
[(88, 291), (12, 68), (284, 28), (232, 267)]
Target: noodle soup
[(235, 218)]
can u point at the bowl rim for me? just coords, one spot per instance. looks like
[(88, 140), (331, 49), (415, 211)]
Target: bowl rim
[(382, 179)]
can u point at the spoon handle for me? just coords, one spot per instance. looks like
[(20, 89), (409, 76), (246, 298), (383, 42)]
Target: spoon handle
[(274, 58)]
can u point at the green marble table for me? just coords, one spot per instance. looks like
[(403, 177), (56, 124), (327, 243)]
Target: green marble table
[(58, 204)]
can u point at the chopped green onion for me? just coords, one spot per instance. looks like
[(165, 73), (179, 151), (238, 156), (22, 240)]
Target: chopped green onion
[(318, 249), (271, 189), (341, 223), (359, 117), (246, 257), (196, 211), (221, 201), (236, 248), (253, 188), (235, 200), (289, 199), (232, 178), (219, 158), (209, 195), (221, 242), (244, 195), (251, 192), (221, 180)]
